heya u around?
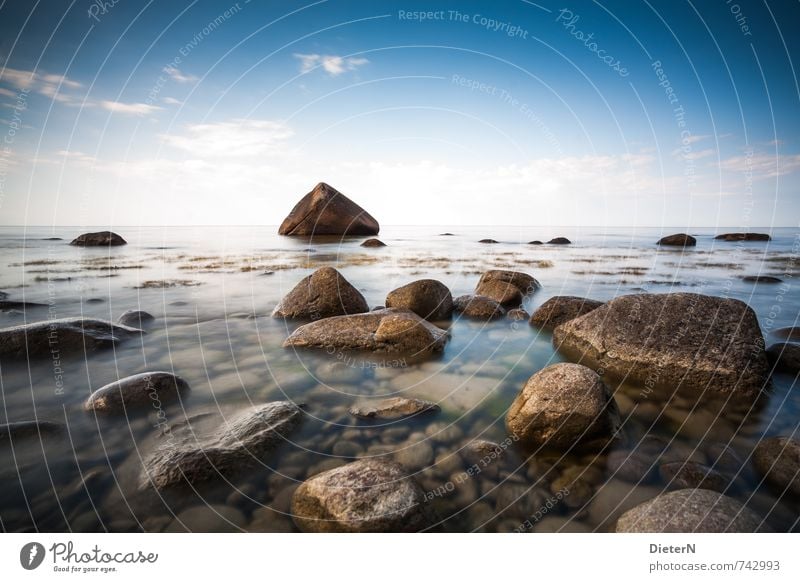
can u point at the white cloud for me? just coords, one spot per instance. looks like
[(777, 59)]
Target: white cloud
[(172, 101), (695, 138), (238, 137), (177, 75), (332, 64), (128, 108), (693, 155), (43, 83), (7, 93), (763, 165)]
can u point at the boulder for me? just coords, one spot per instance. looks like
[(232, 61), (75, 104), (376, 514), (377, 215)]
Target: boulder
[(744, 236), (99, 239), (678, 240), (559, 240), (777, 459), (518, 314), (790, 333), (522, 282), (478, 307), (697, 343), (691, 475), (237, 445), (536, 242), (385, 331), (372, 243), (364, 496), (690, 511), (135, 318), (326, 211), (488, 241), (146, 390), (61, 336), (561, 309), (427, 298), (561, 406), (784, 357), (393, 408), (324, 293)]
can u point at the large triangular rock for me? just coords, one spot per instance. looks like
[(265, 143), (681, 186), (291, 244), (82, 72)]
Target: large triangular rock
[(325, 210)]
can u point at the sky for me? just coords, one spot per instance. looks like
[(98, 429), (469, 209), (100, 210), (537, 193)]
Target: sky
[(608, 113)]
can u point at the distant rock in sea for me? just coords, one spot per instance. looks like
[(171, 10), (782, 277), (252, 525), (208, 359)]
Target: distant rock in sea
[(326, 211), (761, 279), (488, 241), (99, 239), (678, 240), (559, 240), (373, 242), (536, 242), (744, 236)]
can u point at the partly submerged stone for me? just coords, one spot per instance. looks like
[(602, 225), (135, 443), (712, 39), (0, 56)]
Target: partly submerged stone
[(326, 211), (559, 240), (744, 236), (508, 288), (428, 298), (150, 389), (135, 318), (324, 293), (678, 240), (561, 309), (373, 243), (393, 408), (478, 307), (99, 239), (784, 357)]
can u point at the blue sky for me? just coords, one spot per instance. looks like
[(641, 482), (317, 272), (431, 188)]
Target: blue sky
[(578, 113)]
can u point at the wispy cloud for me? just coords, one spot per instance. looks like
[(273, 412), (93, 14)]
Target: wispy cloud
[(177, 75), (128, 108), (763, 165), (238, 137), (46, 84), (171, 101), (692, 154), (332, 64)]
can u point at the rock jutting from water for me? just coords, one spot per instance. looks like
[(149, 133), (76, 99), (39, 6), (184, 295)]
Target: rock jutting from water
[(136, 392), (761, 279), (561, 309), (690, 511), (326, 211), (363, 496), (428, 298), (508, 288), (135, 318), (559, 240), (99, 239), (478, 307), (61, 337), (373, 243), (488, 241), (562, 406), (784, 357), (189, 457), (700, 344), (324, 293), (777, 459), (393, 408), (677, 240), (387, 331), (744, 236)]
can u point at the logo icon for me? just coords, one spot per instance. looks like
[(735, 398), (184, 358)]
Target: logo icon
[(31, 555)]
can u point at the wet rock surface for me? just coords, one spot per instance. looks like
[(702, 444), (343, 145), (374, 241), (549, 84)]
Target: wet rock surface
[(561, 309), (146, 390), (777, 459), (61, 336), (373, 243), (478, 307), (326, 211), (135, 318), (428, 298), (784, 357), (677, 240), (324, 293), (393, 408), (99, 239)]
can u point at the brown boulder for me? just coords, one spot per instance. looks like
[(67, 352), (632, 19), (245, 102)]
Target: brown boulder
[(561, 309), (778, 460), (478, 307), (678, 240), (743, 236), (324, 293), (139, 391), (393, 408), (326, 211), (373, 243), (99, 239), (428, 298)]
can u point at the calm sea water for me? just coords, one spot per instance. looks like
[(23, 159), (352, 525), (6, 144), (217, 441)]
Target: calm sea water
[(212, 290)]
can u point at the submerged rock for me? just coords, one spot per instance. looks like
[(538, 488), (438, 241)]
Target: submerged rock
[(28, 428), (523, 283), (745, 236), (99, 239), (428, 298), (478, 307), (784, 357), (387, 331), (690, 475), (777, 459), (19, 305), (141, 390), (372, 243), (761, 279), (559, 240), (324, 293), (790, 333), (561, 309), (393, 408), (518, 314), (690, 511), (363, 496), (325, 211), (562, 406), (135, 318), (61, 336), (678, 240), (189, 458), (697, 343)]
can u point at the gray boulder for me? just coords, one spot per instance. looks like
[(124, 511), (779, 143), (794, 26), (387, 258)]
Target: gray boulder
[(326, 211), (324, 293), (140, 391), (60, 337), (428, 298), (696, 343), (561, 309), (99, 239), (135, 318), (777, 459)]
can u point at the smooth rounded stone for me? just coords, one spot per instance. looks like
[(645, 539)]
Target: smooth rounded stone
[(157, 523), (562, 406), (520, 281), (324, 293), (135, 318), (60, 337), (428, 298), (99, 239), (484, 455), (282, 501), (561, 309), (575, 491), (519, 501), (388, 331), (488, 241), (785, 357), (326, 211), (614, 498), (558, 524), (442, 432), (690, 475), (777, 459), (743, 236), (346, 449), (414, 455), (373, 243), (559, 240), (208, 518), (478, 307), (790, 333), (630, 466), (724, 458), (150, 389), (449, 462), (697, 344), (395, 434), (25, 429), (504, 293), (680, 452), (237, 445), (677, 240), (761, 279), (518, 314), (393, 408), (363, 496), (690, 511)]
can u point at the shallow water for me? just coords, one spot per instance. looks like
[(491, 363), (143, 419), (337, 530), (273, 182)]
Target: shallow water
[(212, 290)]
